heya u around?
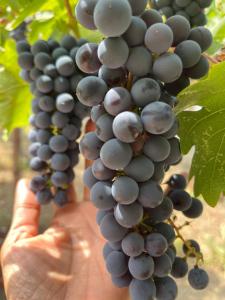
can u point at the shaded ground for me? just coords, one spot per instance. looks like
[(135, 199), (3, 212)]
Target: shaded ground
[(208, 230)]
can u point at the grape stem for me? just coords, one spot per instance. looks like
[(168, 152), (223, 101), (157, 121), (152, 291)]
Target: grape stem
[(191, 250), (129, 81), (211, 59), (72, 20)]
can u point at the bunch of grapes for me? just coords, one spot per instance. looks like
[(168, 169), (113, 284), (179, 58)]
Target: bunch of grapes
[(51, 70), (192, 10), (141, 64)]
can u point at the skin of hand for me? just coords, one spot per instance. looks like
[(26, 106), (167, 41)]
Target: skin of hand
[(63, 263)]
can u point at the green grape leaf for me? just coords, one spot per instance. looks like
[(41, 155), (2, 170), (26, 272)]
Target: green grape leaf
[(15, 96), (204, 129)]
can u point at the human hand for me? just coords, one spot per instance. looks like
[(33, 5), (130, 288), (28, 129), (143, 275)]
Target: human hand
[(63, 263)]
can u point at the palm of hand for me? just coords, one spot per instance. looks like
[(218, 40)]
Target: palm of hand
[(63, 263)]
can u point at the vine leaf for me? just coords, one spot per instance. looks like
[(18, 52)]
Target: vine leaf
[(15, 96), (205, 130)]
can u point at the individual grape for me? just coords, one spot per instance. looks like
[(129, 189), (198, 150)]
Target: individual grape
[(37, 165), (111, 230), (101, 195), (40, 46), (195, 210), (53, 44), (141, 267), (116, 245), (43, 136), (163, 266), (60, 198), (90, 146), (84, 13), (112, 77), (44, 152), (99, 217), (65, 103), (181, 200), (61, 85), (22, 46), (138, 7), (189, 52), (47, 103), (133, 244), (101, 172), (166, 11), (73, 53), (127, 126), (65, 65), (58, 143), (142, 289), (68, 42), (116, 263), (151, 16), (73, 156), (25, 60), (151, 194), (35, 73), (180, 28), (129, 215), (81, 42), (117, 100), (87, 58), (51, 70), (135, 34), (177, 86), (140, 168), (202, 36), (122, 281), (193, 9), (166, 288), (161, 212), (38, 183), (115, 154), (167, 231), (183, 3), (104, 129), (43, 120), (125, 190), (144, 91), (112, 18), (171, 253), (157, 148), (73, 82), (71, 132), (177, 181), (172, 132), (198, 278), (180, 268), (168, 67), (183, 13), (80, 110), (59, 119), (175, 153), (204, 3), (60, 179), (195, 248), (44, 196), (156, 244), (91, 90), (96, 112), (157, 117), (33, 148), (44, 84), (139, 62), (159, 38), (58, 52), (113, 52), (60, 162), (199, 70), (41, 60), (88, 178)]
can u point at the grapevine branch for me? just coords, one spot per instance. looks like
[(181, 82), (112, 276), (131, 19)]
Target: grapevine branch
[(72, 20)]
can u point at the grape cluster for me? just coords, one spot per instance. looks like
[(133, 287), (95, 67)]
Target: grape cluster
[(192, 10), (51, 70), (141, 64)]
